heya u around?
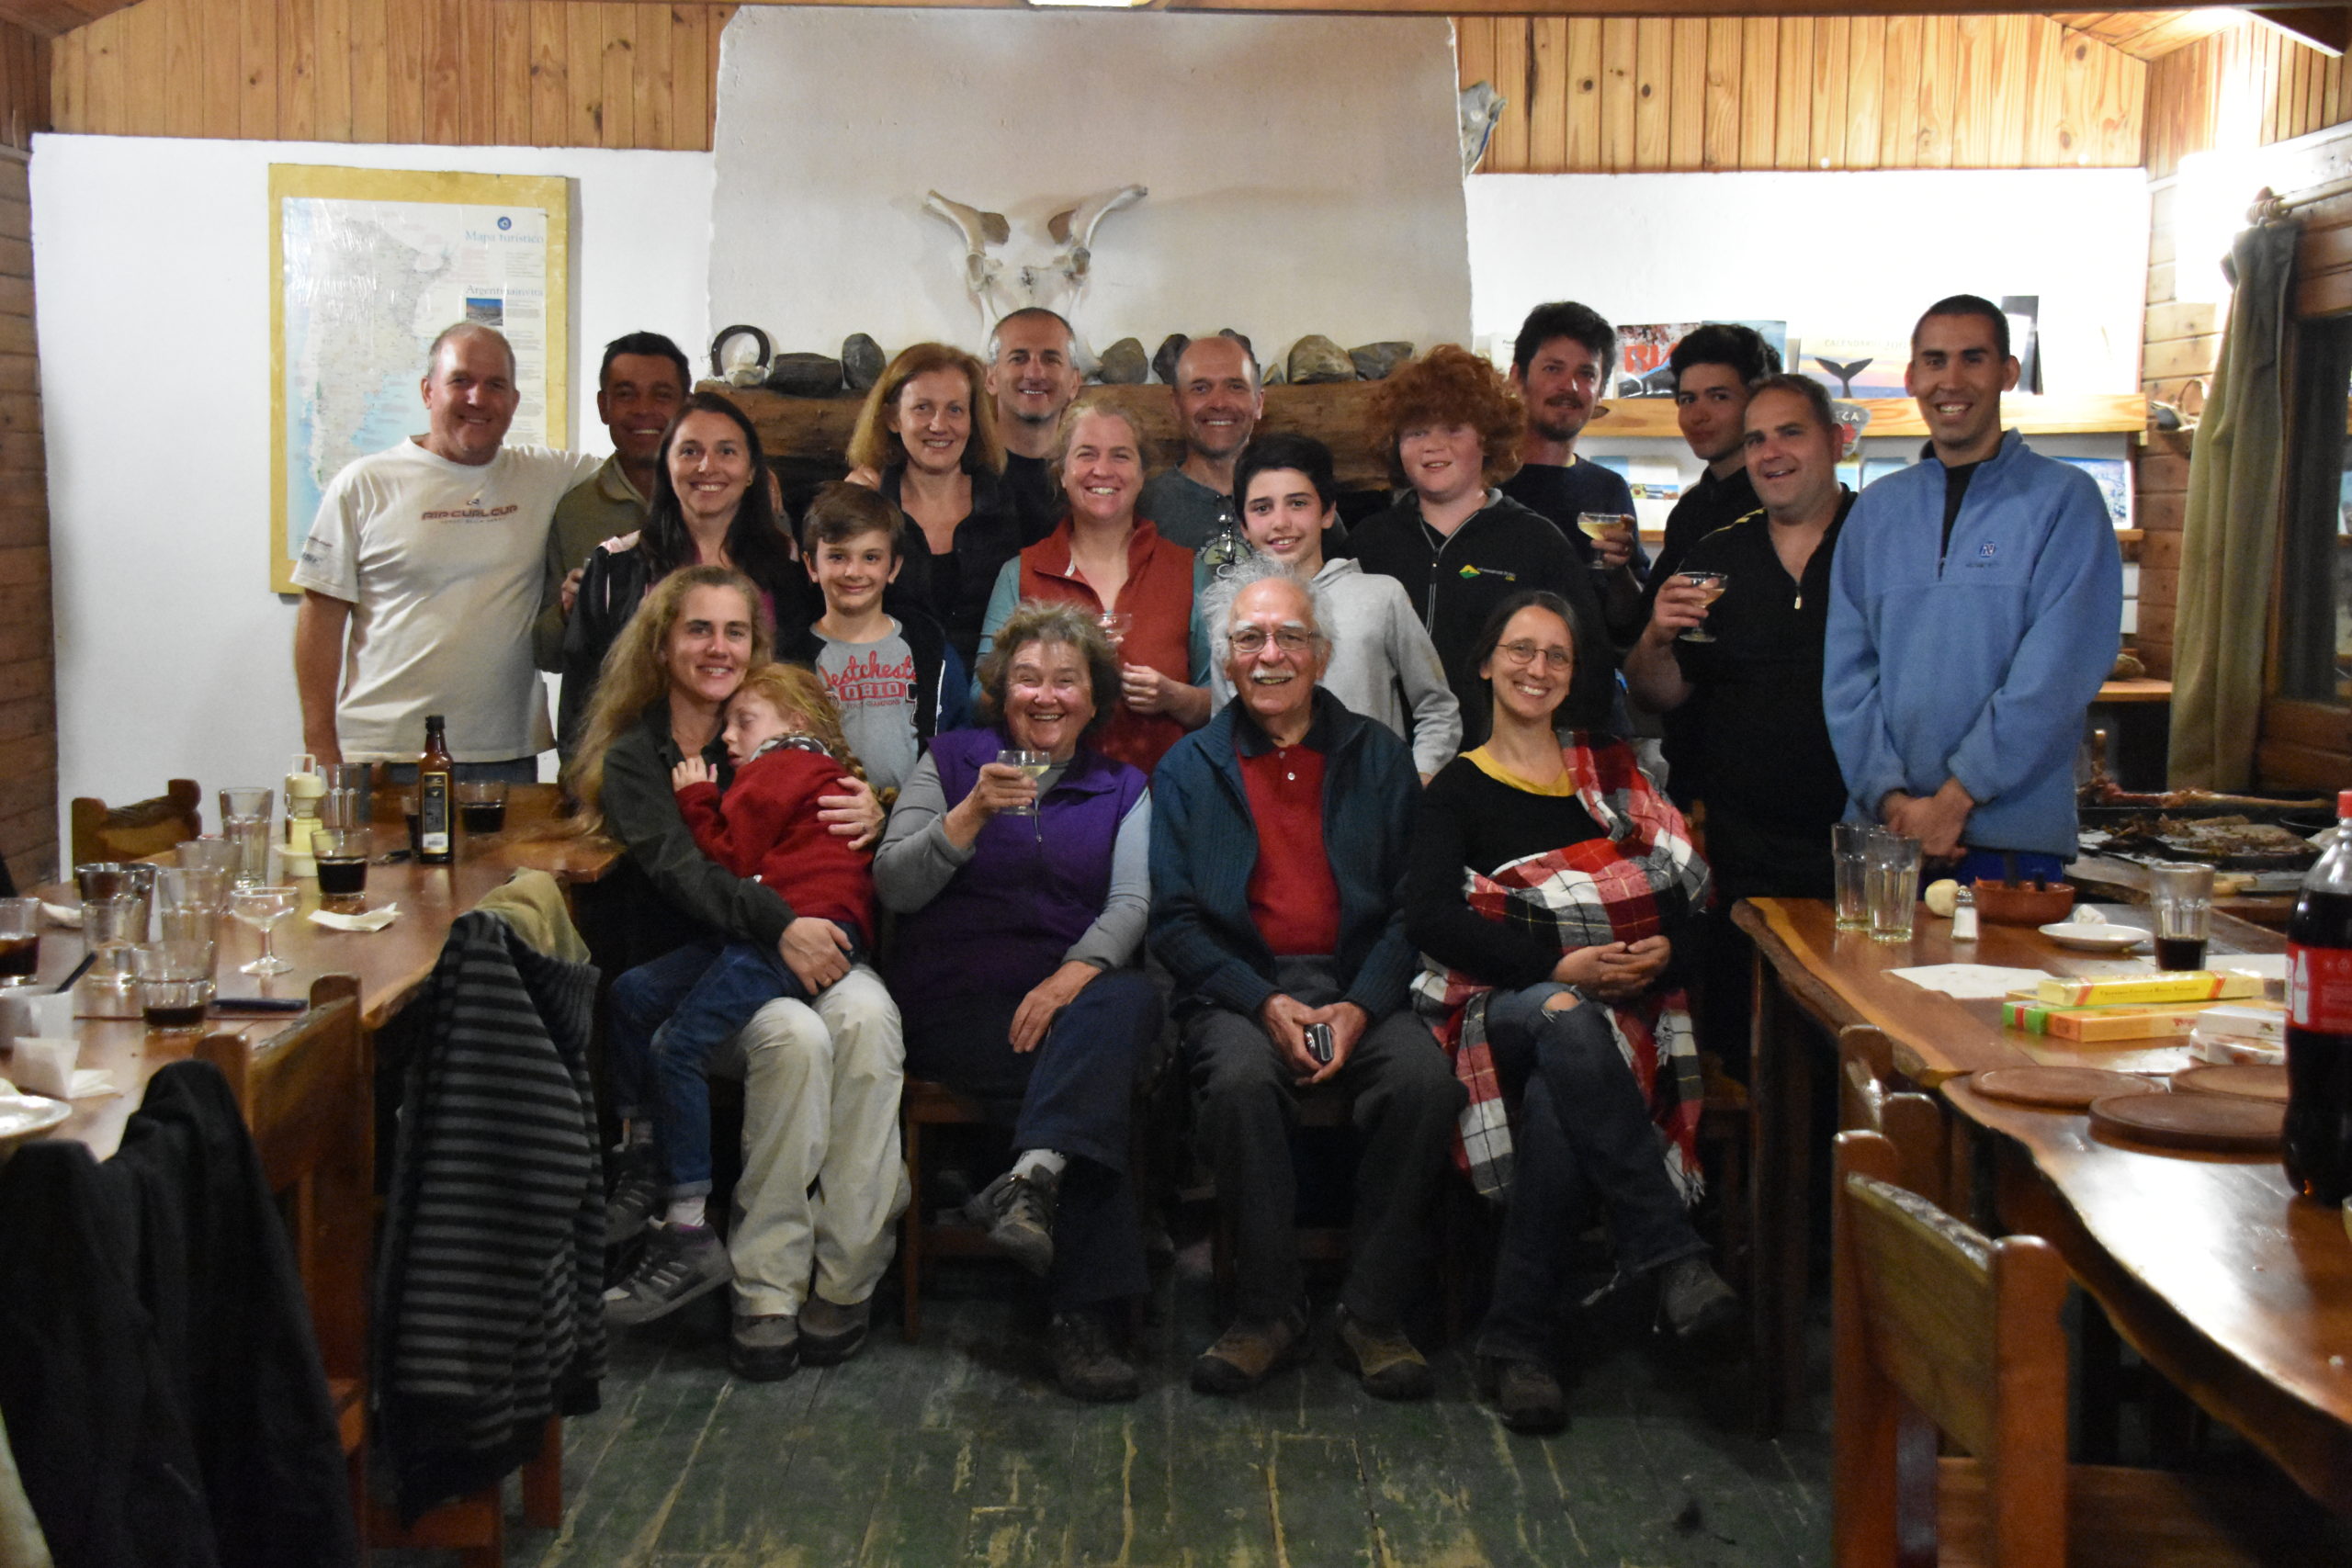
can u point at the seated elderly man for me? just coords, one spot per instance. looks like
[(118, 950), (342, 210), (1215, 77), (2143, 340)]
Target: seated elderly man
[(1277, 847)]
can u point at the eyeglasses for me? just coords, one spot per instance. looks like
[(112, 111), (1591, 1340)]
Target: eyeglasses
[(1527, 653), (1250, 641)]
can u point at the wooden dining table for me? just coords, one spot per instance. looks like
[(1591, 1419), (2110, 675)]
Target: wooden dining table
[(2235, 1288), (390, 964)]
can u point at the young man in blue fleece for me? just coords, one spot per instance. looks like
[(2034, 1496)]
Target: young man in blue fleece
[(1975, 606)]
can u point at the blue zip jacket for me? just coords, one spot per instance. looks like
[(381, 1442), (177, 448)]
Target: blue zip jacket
[(1977, 667), (1205, 845)]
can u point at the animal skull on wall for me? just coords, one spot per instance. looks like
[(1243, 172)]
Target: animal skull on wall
[(1056, 281)]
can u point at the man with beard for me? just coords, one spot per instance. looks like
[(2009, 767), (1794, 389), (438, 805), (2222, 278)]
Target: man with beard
[(1559, 364), (1218, 405), (1032, 374)]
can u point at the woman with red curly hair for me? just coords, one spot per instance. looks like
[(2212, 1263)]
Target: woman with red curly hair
[(1449, 426)]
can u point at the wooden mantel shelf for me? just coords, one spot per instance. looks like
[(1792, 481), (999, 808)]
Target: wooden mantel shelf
[(816, 430)]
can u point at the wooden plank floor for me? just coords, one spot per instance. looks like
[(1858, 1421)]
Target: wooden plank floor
[(958, 1451)]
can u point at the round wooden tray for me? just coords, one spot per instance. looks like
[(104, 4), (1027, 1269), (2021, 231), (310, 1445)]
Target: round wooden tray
[(2241, 1080), (2216, 1123), (2057, 1089)]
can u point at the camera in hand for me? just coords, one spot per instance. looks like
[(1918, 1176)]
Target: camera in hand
[(1318, 1044)]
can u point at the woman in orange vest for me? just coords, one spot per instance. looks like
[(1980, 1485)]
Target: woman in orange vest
[(1104, 559)]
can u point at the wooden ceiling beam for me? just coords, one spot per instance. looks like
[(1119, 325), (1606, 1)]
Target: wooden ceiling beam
[(1651, 8), (2324, 27)]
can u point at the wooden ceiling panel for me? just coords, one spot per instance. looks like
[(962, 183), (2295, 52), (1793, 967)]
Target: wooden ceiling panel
[(47, 18)]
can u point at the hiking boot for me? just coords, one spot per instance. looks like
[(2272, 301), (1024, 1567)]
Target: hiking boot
[(831, 1334), (1694, 1303), (1384, 1360), (1525, 1393), (1018, 1214), (1087, 1363), (636, 1194), (765, 1348), (1247, 1353), (682, 1263)]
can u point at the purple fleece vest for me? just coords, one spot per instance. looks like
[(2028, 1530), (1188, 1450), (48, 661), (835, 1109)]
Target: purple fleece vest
[(1032, 887)]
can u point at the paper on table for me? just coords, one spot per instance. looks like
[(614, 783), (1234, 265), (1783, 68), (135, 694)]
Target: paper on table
[(2270, 965), (373, 920), (1970, 982)]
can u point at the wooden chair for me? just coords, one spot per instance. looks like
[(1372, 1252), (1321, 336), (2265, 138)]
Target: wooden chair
[(135, 831), (1869, 1101), (923, 1104), (1940, 1330), (308, 1096)]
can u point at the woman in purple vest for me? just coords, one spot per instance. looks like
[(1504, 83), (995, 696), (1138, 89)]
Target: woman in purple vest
[(1023, 902)]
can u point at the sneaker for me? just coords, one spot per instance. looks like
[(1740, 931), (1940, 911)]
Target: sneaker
[(1693, 1301), (1247, 1353), (765, 1348), (830, 1334), (1525, 1393), (1018, 1214), (636, 1194), (1384, 1360), (682, 1263), (1087, 1363)]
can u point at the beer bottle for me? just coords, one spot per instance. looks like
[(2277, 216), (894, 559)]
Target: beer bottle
[(436, 800), (2319, 1023)]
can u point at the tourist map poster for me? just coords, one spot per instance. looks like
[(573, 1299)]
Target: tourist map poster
[(367, 266)]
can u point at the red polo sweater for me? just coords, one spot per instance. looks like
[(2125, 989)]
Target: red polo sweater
[(1294, 897)]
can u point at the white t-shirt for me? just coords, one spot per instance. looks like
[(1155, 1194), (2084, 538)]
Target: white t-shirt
[(442, 564)]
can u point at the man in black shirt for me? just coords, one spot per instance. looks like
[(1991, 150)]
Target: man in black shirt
[(1032, 374), (1559, 363), (1753, 693)]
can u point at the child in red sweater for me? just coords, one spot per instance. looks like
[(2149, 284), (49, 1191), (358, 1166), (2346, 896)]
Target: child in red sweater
[(784, 736)]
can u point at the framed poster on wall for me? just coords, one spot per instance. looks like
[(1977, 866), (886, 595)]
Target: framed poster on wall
[(367, 267)]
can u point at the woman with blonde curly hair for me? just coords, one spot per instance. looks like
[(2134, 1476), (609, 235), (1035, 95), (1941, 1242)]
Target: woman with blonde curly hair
[(822, 1178), (927, 440), (1449, 427)]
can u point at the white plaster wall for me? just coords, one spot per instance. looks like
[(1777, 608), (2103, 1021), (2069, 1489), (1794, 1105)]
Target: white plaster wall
[(152, 257), (1852, 254), (1304, 171)]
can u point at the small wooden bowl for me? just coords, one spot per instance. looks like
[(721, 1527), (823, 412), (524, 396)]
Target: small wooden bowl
[(2022, 904)]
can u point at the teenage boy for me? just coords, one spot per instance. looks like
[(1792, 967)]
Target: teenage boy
[(894, 678)]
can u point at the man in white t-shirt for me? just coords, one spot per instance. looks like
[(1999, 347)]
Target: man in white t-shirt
[(422, 576)]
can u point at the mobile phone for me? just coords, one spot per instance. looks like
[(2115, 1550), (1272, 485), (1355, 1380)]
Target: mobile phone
[(1318, 1044), (260, 1004)]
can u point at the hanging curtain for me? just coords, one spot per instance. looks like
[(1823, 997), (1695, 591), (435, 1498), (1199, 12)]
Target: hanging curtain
[(2230, 534)]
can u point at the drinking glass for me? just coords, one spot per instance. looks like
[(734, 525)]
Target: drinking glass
[(345, 802), (1848, 856), (1034, 765), (105, 878), (2181, 898), (1115, 625), (174, 980), (481, 806), (262, 907), (1713, 583), (19, 940), (111, 926), (188, 903), (1892, 885), (211, 854), (1599, 525), (342, 855), (244, 822)]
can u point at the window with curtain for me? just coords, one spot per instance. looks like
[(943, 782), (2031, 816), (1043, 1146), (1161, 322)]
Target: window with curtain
[(2315, 605)]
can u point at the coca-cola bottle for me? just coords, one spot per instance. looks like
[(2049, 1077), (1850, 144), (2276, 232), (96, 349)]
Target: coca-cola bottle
[(2319, 1023)]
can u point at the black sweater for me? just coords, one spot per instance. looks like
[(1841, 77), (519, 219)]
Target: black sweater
[(1469, 818)]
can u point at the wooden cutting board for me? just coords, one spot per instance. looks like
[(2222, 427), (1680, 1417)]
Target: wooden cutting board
[(2242, 1080), (2209, 1122), (2057, 1089)]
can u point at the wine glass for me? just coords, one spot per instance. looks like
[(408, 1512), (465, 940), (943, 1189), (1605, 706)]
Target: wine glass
[(1599, 526), (1034, 763), (1115, 625), (262, 907), (1711, 583)]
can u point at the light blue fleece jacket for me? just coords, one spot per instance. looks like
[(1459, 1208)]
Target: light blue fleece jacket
[(1979, 666)]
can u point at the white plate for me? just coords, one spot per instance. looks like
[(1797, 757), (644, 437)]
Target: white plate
[(25, 1116), (2095, 938)]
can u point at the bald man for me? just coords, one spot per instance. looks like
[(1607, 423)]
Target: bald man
[(422, 574)]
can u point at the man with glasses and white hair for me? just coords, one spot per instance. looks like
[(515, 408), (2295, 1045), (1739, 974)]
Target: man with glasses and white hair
[(1278, 843)]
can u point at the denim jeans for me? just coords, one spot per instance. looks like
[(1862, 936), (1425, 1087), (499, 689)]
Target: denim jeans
[(668, 1017), (1584, 1137)]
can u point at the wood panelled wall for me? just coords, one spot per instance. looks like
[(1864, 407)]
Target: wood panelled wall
[(24, 85), (1591, 95), (28, 655), (2247, 86), (484, 73)]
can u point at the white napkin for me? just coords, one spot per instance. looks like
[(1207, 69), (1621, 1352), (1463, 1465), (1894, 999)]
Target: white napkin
[(373, 920), (59, 915), (45, 1066), (89, 1083), (2270, 965), (1970, 982)]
